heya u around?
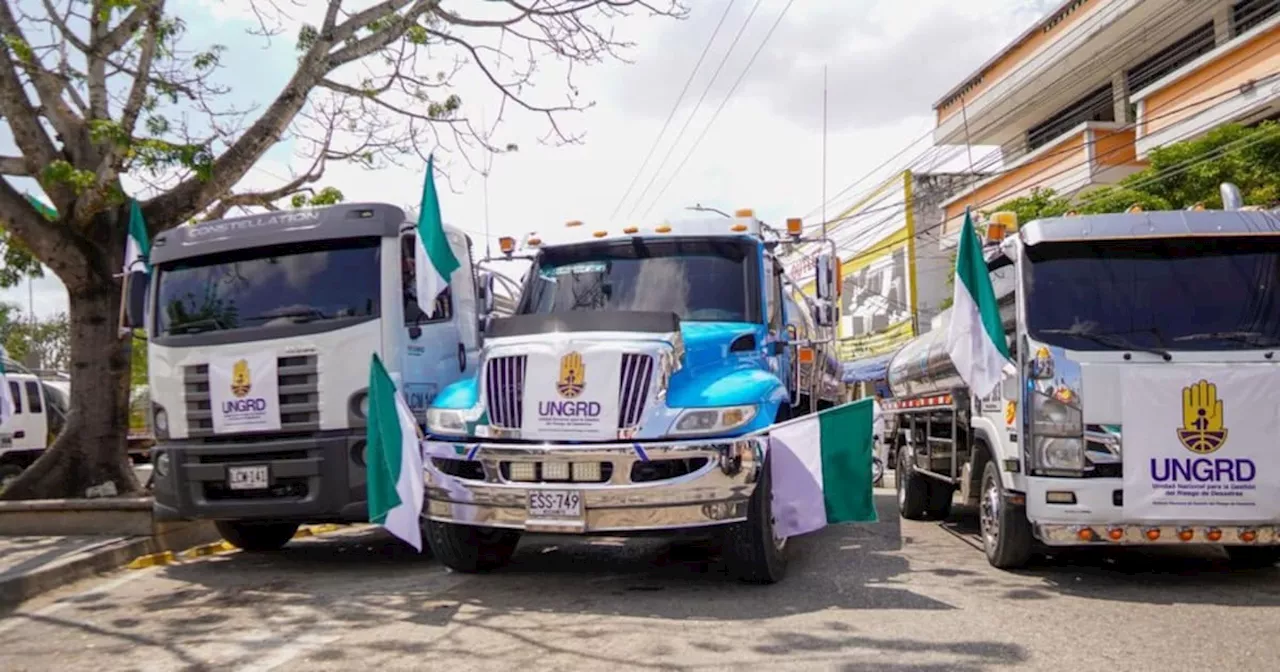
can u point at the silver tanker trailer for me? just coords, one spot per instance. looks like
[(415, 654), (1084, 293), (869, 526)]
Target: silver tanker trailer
[(1144, 344)]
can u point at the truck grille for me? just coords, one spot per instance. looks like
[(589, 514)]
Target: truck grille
[(504, 390), (298, 381), (633, 388)]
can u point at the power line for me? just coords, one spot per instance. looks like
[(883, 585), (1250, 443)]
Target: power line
[(674, 107), (714, 76), (720, 109)]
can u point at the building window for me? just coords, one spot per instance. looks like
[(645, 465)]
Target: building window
[(1096, 106), (1183, 50), (1248, 14)]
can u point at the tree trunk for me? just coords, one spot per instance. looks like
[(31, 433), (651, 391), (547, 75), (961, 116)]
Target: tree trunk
[(91, 450)]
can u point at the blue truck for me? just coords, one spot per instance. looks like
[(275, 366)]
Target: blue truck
[(631, 393)]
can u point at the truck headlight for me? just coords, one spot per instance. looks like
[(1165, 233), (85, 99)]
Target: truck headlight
[(161, 420), (714, 420), (1057, 453), (446, 421), (1057, 430), (1051, 417)]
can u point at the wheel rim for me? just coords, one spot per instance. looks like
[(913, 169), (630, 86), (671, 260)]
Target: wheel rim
[(877, 471), (899, 480), (990, 513)]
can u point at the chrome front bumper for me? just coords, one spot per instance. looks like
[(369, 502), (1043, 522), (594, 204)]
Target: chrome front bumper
[(712, 483)]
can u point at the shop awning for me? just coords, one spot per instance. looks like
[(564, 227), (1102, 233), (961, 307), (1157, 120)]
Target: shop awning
[(866, 369)]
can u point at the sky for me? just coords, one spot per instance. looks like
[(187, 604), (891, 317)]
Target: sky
[(886, 63)]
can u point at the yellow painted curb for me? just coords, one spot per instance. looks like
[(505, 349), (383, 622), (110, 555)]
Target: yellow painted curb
[(152, 560)]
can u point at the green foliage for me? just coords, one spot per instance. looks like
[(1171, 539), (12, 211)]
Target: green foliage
[(1039, 203), (49, 341), (62, 172), (138, 361), (326, 196), (16, 262)]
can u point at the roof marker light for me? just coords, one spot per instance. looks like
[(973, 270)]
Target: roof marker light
[(572, 223), (631, 229), (795, 226), (665, 228), (599, 234), (738, 227), (744, 212), (507, 245)]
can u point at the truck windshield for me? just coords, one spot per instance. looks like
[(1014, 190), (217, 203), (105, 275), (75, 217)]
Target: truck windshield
[(1173, 294), (699, 280), (292, 284)]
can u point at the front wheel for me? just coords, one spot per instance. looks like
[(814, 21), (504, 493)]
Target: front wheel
[(752, 550), (912, 488), (256, 537), (1006, 534), (1253, 557), (470, 549)]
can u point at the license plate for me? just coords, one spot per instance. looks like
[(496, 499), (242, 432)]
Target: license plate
[(247, 478), (555, 504)]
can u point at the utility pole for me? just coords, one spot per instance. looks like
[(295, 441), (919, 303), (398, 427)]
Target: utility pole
[(824, 149)]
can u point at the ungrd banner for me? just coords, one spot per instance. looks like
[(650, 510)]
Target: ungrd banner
[(244, 393), (572, 396), (1199, 443)]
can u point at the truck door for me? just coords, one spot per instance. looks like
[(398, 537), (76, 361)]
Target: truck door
[(775, 313), (443, 342), (28, 426)]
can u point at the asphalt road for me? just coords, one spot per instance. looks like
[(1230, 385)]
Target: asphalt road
[(889, 596)]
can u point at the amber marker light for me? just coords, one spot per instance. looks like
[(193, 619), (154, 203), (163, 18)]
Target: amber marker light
[(1186, 534), (1115, 533), (1153, 533), (507, 244), (1085, 534), (1248, 536), (1214, 534)]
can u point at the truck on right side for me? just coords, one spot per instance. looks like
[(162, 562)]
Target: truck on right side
[(1145, 408)]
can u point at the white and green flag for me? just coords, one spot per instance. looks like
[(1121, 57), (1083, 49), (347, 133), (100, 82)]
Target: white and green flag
[(6, 398), (435, 260), (975, 338), (136, 246), (821, 469), (393, 459)]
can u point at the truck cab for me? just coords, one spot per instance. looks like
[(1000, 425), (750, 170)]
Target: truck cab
[(1142, 407), (260, 330), (629, 393)]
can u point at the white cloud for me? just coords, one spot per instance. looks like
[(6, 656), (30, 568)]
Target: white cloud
[(888, 61)]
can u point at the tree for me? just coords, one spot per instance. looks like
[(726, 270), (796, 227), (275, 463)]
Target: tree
[(48, 340), (96, 90)]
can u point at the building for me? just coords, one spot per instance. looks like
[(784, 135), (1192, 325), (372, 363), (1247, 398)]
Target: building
[(1082, 97), (893, 269)]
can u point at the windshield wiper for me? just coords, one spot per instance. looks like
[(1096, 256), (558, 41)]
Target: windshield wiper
[(197, 326), (1111, 341), (1254, 338), (299, 316)]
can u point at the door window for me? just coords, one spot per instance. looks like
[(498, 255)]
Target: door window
[(442, 311), (15, 393), (35, 401)]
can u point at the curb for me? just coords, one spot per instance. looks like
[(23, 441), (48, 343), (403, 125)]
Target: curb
[(219, 547)]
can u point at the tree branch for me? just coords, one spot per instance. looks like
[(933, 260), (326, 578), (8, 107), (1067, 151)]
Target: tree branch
[(37, 147), (15, 166)]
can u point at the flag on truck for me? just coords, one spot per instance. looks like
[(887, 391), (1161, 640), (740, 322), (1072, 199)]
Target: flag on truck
[(434, 260), (821, 469), (6, 399), (136, 246), (393, 459), (975, 338)]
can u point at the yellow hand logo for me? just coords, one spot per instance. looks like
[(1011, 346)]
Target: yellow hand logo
[(1201, 407), (572, 375)]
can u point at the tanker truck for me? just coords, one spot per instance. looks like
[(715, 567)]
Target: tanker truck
[(1142, 411)]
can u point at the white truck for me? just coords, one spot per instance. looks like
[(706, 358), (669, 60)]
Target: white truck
[(260, 333), (35, 421), (1143, 409)]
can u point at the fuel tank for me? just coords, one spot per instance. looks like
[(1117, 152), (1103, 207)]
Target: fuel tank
[(923, 366)]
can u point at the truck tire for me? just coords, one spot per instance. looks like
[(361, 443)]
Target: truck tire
[(751, 552), (469, 549), (1006, 534), (940, 494), (256, 537), (913, 489), (1253, 557)]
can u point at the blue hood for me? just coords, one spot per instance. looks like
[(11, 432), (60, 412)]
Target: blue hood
[(712, 376)]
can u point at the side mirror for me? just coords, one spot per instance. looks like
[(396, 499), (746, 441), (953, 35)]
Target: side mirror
[(135, 293), (825, 280), (487, 298)]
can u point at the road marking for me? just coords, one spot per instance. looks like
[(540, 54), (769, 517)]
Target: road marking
[(18, 618)]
